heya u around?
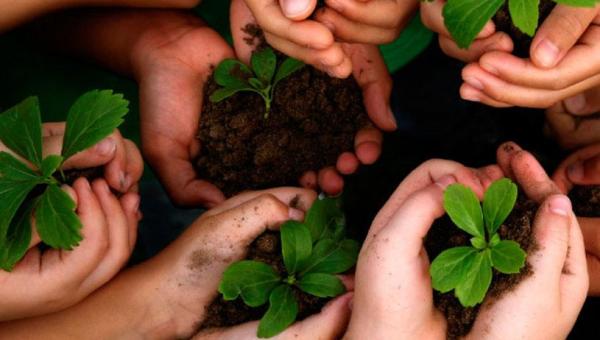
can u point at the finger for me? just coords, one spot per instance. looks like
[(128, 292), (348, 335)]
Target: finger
[(584, 103), (387, 14), (347, 163), (594, 273), (131, 205), (498, 41), (489, 174), (580, 168), (330, 181), (432, 18), (367, 145), (297, 9), (591, 236), (309, 180), (53, 129), (575, 281), (571, 131), (470, 93), (135, 164), (98, 155), (504, 155), (532, 177), (347, 30), (558, 33)]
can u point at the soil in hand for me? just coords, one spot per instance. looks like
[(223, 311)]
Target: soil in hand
[(522, 41), (444, 234), (586, 200), (266, 248)]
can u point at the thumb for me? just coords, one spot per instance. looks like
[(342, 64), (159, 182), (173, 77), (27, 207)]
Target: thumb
[(585, 103), (559, 32), (297, 9)]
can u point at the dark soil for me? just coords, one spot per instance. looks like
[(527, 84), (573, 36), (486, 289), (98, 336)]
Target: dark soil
[(444, 234), (266, 248), (521, 40), (313, 119), (586, 201), (90, 174)]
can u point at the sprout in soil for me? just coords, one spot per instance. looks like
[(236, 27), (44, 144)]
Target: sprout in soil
[(464, 19), (32, 185), (468, 269), (234, 76), (313, 252)]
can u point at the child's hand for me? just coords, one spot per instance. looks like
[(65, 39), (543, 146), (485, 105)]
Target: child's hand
[(52, 280)]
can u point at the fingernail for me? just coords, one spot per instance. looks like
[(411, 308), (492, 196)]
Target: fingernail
[(474, 82), (444, 181), (470, 95), (106, 147), (575, 104), (136, 204), (295, 214), (546, 53), (294, 7), (392, 118), (575, 171), (560, 205), (490, 68)]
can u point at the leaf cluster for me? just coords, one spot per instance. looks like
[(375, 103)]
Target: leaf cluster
[(313, 252), (464, 19), (468, 269), (29, 185), (234, 76)]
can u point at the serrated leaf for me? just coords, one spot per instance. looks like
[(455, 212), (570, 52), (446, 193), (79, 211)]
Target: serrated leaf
[(578, 3), (325, 218), (464, 209), (50, 164), (296, 245), (21, 130), (18, 238), (282, 312), (464, 19), (525, 15), (508, 257), (251, 280), (289, 66), (498, 202), (450, 267), (332, 257), (93, 117), (264, 63), (478, 277), (322, 285), (56, 221), (232, 73)]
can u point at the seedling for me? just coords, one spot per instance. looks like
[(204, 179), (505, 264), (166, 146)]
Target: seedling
[(234, 76), (313, 252), (468, 270), (32, 186), (464, 19)]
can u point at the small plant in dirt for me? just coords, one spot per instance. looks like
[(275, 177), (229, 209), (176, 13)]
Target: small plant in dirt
[(234, 76), (468, 270), (464, 19), (313, 252), (31, 185)]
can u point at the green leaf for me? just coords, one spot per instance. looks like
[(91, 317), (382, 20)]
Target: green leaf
[(253, 280), (332, 257), (498, 202), (55, 218), (322, 285), (325, 218), (255, 83), (494, 240), (232, 73), (296, 245), (21, 130), (93, 117), (466, 18), (264, 63), (476, 282), (478, 243), (578, 3), (289, 66), (50, 164), (525, 15), (464, 209), (226, 92), (449, 268), (282, 312), (18, 238), (508, 257)]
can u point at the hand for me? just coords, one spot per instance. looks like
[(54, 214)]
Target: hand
[(371, 74), (49, 281), (582, 168)]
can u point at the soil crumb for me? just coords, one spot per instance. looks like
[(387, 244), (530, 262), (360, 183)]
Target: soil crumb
[(586, 200)]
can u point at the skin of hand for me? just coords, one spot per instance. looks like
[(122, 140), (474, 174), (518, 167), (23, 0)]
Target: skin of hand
[(370, 73), (166, 297), (583, 168)]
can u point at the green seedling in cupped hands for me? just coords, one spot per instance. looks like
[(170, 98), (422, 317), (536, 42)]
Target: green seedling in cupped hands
[(464, 19), (468, 270), (313, 252), (32, 187), (234, 76)]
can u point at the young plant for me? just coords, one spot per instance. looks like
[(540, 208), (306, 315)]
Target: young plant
[(32, 186), (464, 19), (235, 76), (468, 269), (313, 252)]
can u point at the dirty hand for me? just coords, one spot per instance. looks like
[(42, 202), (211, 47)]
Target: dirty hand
[(583, 168), (52, 280), (371, 74), (564, 62)]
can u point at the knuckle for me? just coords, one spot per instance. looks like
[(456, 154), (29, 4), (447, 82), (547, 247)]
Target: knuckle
[(269, 203), (571, 26)]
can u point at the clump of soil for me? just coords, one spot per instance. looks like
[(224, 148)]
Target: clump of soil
[(522, 41), (266, 248), (586, 200), (90, 174), (444, 234)]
